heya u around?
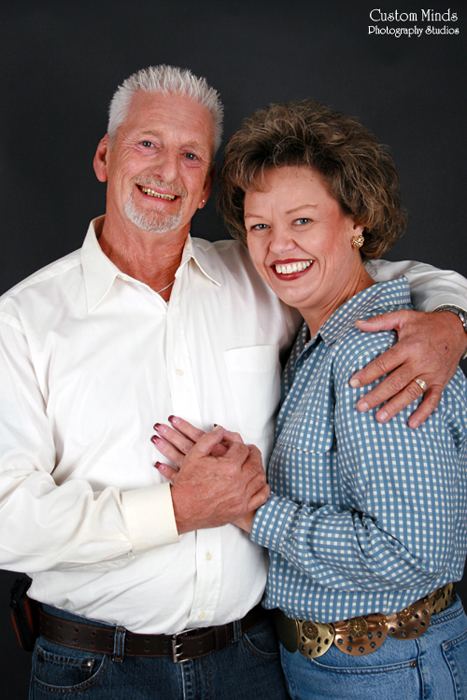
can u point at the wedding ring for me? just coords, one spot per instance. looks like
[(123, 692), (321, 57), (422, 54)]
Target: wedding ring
[(421, 384)]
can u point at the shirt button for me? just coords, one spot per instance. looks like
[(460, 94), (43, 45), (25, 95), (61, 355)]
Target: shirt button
[(201, 614), (208, 556), (179, 372)]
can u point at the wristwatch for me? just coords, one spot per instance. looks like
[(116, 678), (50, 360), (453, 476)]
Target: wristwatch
[(455, 310)]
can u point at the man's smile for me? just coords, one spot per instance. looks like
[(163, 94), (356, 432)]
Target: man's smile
[(153, 193)]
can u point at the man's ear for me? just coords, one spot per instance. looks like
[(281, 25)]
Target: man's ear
[(208, 183), (100, 159)]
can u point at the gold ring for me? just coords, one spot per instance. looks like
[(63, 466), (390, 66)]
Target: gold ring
[(421, 384)]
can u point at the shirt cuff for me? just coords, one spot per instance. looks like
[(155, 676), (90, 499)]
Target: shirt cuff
[(445, 300), (149, 517), (271, 521)]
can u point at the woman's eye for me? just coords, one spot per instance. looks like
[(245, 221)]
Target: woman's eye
[(190, 156), (259, 227), (302, 221), (147, 144)]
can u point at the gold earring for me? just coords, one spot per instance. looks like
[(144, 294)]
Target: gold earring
[(357, 241)]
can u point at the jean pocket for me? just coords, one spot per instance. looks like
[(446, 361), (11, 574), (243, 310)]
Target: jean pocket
[(261, 640), (455, 653), (59, 669)]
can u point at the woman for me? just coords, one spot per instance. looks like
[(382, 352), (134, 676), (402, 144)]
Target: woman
[(366, 522)]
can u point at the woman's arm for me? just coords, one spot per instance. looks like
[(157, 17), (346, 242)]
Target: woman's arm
[(398, 507)]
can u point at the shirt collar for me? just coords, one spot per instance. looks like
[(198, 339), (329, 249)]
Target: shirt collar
[(379, 298), (199, 251), (100, 272)]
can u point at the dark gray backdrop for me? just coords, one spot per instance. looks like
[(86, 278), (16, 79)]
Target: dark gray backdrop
[(62, 61)]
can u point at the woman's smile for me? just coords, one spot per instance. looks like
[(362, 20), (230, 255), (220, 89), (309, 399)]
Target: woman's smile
[(291, 269)]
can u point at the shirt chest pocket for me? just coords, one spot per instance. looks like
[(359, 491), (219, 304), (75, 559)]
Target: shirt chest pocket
[(308, 434), (254, 379)]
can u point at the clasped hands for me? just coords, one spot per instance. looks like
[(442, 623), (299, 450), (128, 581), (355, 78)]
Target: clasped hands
[(217, 478)]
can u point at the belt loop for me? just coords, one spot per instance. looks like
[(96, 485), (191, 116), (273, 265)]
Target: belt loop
[(237, 630), (119, 644)]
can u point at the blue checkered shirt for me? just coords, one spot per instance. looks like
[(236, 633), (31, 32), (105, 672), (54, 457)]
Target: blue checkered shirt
[(363, 517)]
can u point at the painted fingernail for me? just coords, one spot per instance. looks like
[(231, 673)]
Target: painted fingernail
[(382, 416), (363, 406), (161, 467), (160, 428), (157, 441), (174, 420), (354, 382)]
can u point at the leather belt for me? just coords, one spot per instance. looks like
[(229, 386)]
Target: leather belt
[(362, 635), (190, 644)]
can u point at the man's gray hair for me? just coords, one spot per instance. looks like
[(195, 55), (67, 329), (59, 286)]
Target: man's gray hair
[(167, 80)]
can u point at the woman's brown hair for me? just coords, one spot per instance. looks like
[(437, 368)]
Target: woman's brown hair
[(359, 171)]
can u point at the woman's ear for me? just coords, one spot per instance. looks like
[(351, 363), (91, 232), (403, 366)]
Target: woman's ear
[(357, 229)]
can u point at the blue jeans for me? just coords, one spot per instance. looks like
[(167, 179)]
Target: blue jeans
[(432, 667), (246, 668)]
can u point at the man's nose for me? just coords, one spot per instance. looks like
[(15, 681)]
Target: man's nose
[(167, 166)]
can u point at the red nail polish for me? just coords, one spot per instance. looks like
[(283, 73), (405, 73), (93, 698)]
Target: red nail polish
[(174, 420)]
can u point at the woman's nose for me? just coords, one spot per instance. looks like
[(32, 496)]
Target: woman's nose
[(281, 241)]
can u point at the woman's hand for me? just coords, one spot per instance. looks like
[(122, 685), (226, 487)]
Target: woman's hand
[(217, 478), (175, 444), (430, 347)]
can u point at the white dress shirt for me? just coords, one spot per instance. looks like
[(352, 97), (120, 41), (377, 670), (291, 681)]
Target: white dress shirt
[(90, 359)]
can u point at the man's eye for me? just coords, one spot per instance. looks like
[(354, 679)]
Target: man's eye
[(303, 220), (147, 144)]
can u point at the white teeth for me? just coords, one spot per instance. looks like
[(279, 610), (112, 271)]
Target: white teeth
[(293, 267), (152, 193)]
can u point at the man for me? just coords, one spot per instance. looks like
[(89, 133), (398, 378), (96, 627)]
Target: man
[(140, 323)]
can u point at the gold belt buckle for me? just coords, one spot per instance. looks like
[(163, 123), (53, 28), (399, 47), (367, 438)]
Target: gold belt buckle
[(315, 638), (361, 635), (312, 639)]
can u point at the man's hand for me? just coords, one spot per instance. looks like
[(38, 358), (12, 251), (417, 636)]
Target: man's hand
[(209, 490), (429, 347)]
